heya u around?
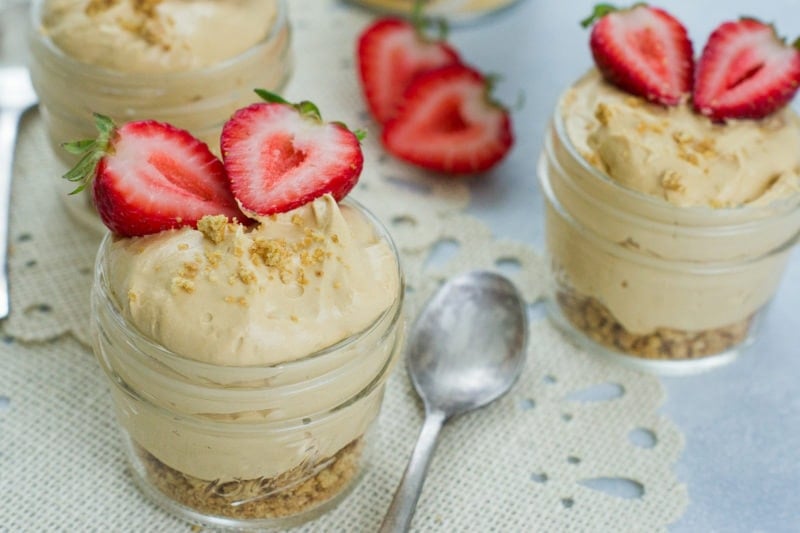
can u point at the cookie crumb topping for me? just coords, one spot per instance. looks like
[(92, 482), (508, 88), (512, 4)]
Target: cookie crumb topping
[(246, 275), (213, 228), (603, 113), (272, 252), (255, 257), (671, 181), (182, 284), (145, 23)]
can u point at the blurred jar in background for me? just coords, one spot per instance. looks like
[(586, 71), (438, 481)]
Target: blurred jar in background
[(191, 64), (454, 11)]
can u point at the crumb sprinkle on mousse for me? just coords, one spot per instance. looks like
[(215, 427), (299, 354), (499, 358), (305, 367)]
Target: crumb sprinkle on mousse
[(291, 261)]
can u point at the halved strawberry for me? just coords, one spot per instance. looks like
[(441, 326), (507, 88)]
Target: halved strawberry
[(279, 156), (391, 52), (448, 123), (642, 50), (149, 176), (745, 71)]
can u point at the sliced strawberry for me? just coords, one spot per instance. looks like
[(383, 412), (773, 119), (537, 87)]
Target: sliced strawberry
[(448, 123), (745, 71), (643, 50), (279, 156), (391, 52), (149, 176)]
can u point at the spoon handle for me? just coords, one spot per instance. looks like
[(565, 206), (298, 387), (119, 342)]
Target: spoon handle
[(9, 120), (398, 517)]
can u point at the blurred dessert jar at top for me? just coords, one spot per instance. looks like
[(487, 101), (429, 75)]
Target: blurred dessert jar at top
[(670, 217), (189, 63), (457, 11)]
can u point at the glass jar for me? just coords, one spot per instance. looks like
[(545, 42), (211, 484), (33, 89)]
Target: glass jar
[(667, 288), (198, 99), (245, 446), (454, 11)]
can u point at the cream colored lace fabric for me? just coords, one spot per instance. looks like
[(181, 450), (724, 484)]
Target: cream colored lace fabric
[(577, 445)]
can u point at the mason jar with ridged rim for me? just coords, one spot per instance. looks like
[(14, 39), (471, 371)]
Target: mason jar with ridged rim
[(666, 288), (246, 446), (196, 98)]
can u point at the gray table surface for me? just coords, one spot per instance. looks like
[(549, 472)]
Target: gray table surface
[(741, 422)]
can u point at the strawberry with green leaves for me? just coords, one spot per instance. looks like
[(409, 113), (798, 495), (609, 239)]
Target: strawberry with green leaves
[(279, 156), (148, 176)]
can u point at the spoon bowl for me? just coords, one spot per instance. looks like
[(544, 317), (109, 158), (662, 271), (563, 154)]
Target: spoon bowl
[(465, 350), (466, 347)]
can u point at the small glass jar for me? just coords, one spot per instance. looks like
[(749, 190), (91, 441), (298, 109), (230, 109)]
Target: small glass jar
[(670, 289), (245, 446), (454, 11), (196, 99)]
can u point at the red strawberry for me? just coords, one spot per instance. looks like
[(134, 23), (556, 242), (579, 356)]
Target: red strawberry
[(148, 176), (390, 53), (745, 71), (448, 123), (642, 50), (279, 156)]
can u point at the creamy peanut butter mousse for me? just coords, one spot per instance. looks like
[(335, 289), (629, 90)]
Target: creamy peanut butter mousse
[(672, 188), (149, 36), (229, 294), (678, 155)]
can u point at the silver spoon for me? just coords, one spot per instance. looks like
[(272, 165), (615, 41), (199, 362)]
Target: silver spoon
[(465, 350)]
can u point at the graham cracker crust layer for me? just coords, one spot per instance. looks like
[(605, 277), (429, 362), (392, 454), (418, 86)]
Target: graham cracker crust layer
[(297, 490), (594, 319)]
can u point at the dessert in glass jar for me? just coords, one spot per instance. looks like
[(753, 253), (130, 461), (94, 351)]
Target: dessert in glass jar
[(247, 386), (668, 227), (191, 64), (246, 314), (456, 11)]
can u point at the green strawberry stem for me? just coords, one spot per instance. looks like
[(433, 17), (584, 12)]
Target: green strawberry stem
[(491, 81), (600, 11), (422, 23), (306, 109), (416, 11), (91, 150), (796, 43)]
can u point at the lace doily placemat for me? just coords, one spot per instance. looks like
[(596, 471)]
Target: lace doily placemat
[(577, 445)]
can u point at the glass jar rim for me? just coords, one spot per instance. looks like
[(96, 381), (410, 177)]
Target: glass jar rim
[(710, 268), (391, 313), (781, 205), (467, 16), (281, 22), (719, 228)]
